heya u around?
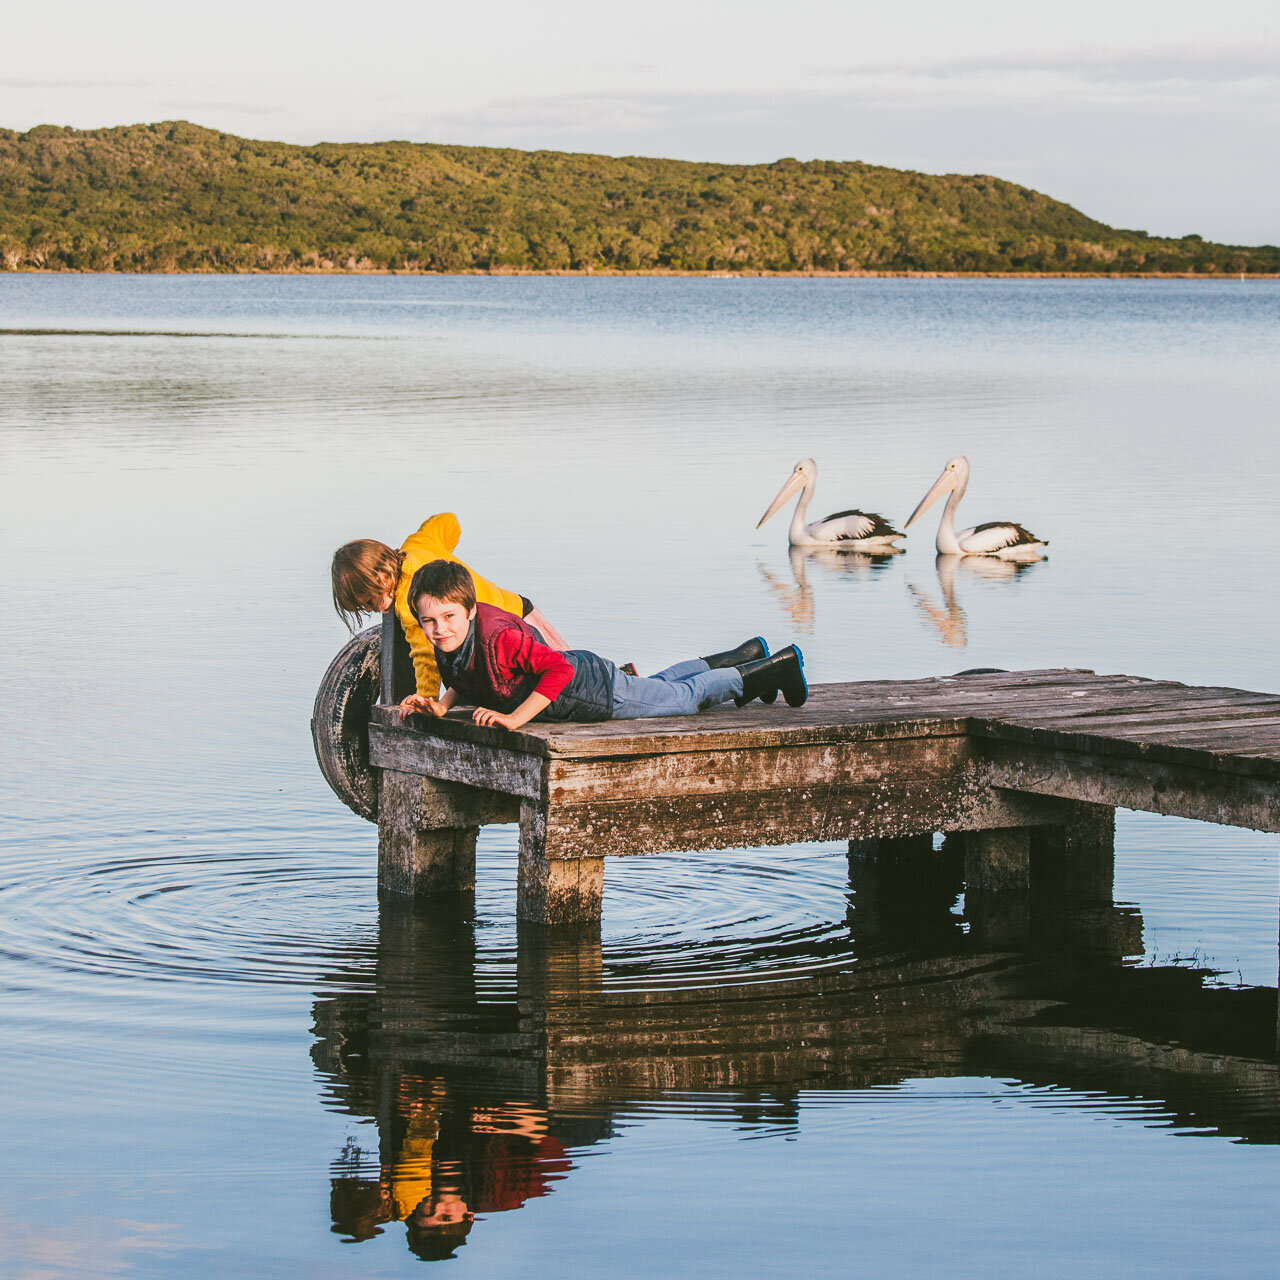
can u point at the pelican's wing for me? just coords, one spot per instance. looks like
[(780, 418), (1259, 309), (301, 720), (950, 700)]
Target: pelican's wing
[(997, 535), (845, 526)]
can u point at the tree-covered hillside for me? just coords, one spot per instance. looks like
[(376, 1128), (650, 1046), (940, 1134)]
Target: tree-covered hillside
[(177, 197)]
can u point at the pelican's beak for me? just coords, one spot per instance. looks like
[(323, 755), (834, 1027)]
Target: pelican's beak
[(945, 482), (795, 482)]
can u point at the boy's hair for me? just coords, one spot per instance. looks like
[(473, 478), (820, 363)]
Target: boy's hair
[(444, 580), (359, 569)]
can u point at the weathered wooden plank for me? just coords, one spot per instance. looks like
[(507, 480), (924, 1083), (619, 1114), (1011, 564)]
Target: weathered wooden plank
[(1168, 704), (473, 763), (1113, 745), (1140, 780), (691, 736), (1221, 742), (889, 808), (719, 772), (452, 804), (1104, 720), (1264, 730), (459, 727)]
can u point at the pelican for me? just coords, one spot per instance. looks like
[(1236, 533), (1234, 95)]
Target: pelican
[(845, 530), (1002, 538)]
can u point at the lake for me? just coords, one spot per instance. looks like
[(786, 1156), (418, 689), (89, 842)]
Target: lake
[(221, 1058)]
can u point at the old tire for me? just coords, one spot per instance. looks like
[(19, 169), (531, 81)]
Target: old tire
[(340, 722)]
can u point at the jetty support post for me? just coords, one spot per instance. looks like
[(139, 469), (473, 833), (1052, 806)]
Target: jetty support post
[(561, 878), (1063, 865), (427, 831), (902, 887)]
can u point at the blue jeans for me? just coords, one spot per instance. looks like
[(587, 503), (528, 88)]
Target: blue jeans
[(678, 691)]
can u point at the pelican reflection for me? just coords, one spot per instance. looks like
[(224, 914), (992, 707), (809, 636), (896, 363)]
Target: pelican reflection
[(949, 619), (797, 598)]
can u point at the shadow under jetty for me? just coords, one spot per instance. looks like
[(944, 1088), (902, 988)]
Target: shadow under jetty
[(485, 1073)]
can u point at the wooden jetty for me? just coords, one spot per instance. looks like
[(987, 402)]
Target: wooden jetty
[(1030, 764)]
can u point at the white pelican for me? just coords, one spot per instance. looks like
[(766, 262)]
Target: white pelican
[(845, 530), (1002, 538)]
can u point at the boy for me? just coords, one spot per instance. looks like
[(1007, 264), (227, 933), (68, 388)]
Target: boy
[(499, 662)]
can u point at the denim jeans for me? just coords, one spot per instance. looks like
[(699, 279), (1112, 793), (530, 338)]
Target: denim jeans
[(678, 691)]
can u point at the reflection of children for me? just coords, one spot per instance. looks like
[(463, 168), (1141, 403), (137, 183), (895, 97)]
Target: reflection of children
[(496, 660), (370, 577), (502, 1158)]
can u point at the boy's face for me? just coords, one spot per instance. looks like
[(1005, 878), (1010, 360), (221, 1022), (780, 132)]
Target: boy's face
[(445, 622)]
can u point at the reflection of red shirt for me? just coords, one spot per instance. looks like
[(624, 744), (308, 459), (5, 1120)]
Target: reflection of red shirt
[(510, 1170)]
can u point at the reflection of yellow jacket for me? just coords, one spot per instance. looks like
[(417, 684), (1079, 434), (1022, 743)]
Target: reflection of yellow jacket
[(409, 1180), (436, 541)]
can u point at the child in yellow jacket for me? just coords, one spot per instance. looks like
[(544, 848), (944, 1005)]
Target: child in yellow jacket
[(369, 577)]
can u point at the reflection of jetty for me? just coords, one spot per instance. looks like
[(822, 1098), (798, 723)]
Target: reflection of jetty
[(511, 1081), (1029, 763)]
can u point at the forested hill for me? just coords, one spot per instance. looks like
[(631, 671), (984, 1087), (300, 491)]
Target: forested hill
[(177, 197)]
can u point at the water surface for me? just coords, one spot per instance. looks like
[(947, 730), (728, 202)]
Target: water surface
[(220, 1058)]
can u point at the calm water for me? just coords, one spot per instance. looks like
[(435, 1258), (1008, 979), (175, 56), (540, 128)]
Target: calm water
[(219, 1058)]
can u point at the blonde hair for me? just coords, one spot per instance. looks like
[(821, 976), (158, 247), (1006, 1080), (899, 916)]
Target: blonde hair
[(362, 569)]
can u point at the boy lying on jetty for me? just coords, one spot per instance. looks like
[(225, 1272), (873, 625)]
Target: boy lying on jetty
[(499, 662)]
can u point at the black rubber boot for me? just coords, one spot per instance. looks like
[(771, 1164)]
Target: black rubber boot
[(782, 673), (752, 650)]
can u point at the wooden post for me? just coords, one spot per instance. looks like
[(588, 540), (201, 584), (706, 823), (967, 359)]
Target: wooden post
[(890, 850), (554, 890), (1078, 855), (997, 891), (416, 854), (997, 861), (902, 889), (1073, 881), (398, 680)]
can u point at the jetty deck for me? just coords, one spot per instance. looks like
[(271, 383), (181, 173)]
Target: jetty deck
[(1030, 764)]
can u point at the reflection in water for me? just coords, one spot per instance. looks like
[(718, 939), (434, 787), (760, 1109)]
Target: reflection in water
[(450, 1077), (950, 621), (482, 1096), (797, 598)]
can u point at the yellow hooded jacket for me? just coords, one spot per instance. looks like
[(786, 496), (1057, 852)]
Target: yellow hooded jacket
[(435, 540)]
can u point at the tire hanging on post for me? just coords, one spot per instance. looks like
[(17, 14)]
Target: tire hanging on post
[(340, 722)]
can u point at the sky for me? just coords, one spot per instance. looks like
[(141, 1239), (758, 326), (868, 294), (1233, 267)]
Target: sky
[(1158, 117)]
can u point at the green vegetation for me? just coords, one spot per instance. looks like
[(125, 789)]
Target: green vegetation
[(177, 197)]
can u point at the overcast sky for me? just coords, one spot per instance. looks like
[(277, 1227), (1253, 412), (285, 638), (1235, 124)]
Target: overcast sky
[(1163, 117)]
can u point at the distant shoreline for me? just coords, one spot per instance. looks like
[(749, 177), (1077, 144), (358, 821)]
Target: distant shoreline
[(175, 198), (661, 273)]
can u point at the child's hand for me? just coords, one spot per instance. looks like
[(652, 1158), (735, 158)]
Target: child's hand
[(482, 715), (416, 702)]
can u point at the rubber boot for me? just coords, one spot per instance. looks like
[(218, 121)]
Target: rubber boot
[(782, 673), (753, 650)]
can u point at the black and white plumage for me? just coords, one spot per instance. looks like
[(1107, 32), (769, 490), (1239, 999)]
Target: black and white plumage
[(852, 530), (1003, 538)]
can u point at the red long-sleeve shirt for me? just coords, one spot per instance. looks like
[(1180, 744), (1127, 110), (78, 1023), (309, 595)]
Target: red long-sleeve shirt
[(520, 656)]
